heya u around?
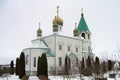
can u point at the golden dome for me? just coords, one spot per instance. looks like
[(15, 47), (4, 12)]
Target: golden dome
[(58, 20), (75, 30), (39, 30)]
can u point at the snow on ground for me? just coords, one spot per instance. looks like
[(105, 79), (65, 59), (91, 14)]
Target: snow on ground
[(61, 78), (117, 77), (33, 78), (9, 77), (14, 77)]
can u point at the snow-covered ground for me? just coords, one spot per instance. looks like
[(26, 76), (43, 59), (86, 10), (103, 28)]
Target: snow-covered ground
[(14, 77)]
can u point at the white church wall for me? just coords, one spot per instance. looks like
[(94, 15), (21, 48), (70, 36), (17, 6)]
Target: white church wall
[(33, 53), (50, 41), (86, 44), (27, 60), (51, 64), (53, 42), (65, 42)]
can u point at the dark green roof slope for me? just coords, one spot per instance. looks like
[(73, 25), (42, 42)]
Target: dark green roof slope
[(82, 26)]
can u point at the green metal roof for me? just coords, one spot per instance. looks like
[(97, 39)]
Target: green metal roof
[(82, 26), (69, 54), (49, 54)]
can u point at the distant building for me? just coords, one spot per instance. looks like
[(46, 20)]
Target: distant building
[(57, 47), (4, 67)]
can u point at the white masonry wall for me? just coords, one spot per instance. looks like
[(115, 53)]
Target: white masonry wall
[(32, 53), (65, 42)]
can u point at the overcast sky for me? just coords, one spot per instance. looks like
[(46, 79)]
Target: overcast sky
[(19, 21)]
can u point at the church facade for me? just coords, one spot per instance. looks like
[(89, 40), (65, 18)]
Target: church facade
[(58, 47)]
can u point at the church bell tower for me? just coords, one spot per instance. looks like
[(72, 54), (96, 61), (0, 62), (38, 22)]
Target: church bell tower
[(84, 32)]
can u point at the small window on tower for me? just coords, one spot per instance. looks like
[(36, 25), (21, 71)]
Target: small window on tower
[(83, 35), (60, 47), (88, 36), (60, 27)]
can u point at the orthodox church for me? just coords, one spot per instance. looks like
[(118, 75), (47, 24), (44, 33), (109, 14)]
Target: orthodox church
[(58, 47)]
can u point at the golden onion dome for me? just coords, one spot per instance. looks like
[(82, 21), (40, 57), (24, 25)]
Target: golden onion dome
[(58, 20), (75, 30), (39, 30)]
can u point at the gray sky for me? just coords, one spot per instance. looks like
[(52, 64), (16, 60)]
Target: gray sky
[(19, 21)]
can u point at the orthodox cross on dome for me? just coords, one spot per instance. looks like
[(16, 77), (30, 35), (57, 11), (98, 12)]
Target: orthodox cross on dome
[(75, 25), (39, 24), (82, 12), (57, 10)]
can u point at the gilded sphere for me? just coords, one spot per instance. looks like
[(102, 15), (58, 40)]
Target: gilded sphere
[(57, 20), (75, 30)]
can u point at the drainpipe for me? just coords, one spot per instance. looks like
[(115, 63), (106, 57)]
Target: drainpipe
[(55, 52), (82, 48), (30, 63)]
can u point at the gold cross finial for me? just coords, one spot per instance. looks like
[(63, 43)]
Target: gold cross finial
[(39, 24), (82, 10), (75, 24), (57, 10)]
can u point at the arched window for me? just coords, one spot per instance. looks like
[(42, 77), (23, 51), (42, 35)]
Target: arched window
[(76, 62), (60, 27), (68, 48), (60, 61), (83, 35), (88, 36), (27, 58), (34, 62), (60, 47)]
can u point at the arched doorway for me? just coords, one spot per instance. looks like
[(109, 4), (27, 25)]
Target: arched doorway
[(71, 63)]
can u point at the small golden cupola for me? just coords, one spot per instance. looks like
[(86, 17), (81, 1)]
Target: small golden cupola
[(75, 31), (39, 32), (57, 22)]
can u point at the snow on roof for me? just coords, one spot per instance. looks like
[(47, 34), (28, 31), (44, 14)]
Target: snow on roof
[(39, 44)]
